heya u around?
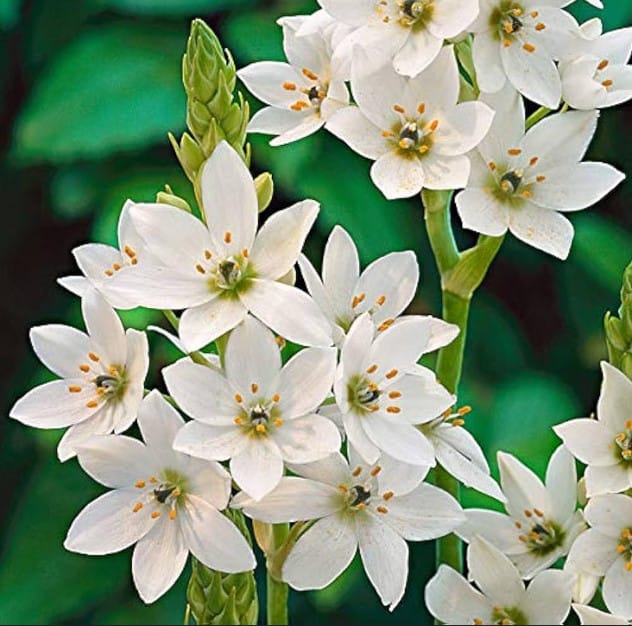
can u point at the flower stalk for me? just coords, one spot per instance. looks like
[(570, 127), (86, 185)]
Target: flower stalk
[(277, 591)]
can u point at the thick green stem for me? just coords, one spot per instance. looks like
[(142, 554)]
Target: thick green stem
[(277, 591), (536, 116), (439, 228)]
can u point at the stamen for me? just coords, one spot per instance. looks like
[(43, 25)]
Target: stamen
[(540, 178), (74, 388), (534, 14), (245, 253), (628, 566), (603, 65), (607, 83), (492, 166), (309, 74), (93, 357), (514, 151), (238, 398), (393, 409), (357, 300), (376, 470), (200, 269), (381, 509), (133, 261), (391, 374), (239, 421), (172, 514), (388, 495), (421, 108), (621, 548), (276, 397), (381, 300), (254, 387), (109, 273), (464, 410), (139, 484), (137, 507), (393, 395), (538, 512), (261, 428), (518, 525), (526, 194), (116, 267), (357, 471), (92, 404), (528, 513), (534, 161), (528, 47), (433, 125), (540, 26), (372, 369), (523, 538), (457, 422), (399, 109), (386, 324), (423, 148), (387, 133), (131, 253), (228, 237), (289, 86), (299, 105), (155, 515), (207, 255), (506, 43), (278, 422)]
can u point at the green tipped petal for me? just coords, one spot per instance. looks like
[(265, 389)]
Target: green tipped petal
[(619, 329)]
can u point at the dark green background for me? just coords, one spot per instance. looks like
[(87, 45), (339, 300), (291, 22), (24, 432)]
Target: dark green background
[(89, 90)]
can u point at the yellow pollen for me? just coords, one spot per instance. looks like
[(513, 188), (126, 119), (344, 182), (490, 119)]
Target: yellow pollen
[(280, 341), (478, 622), (289, 86), (172, 514), (628, 566), (309, 74), (403, 143), (386, 19), (523, 538), (628, 425), (93, 357), (238, 398), (538, 512), (357, 300), (526, 194), (134, 261), (517, 11), (607, 83), (245, 253), (534, 161), (137, 507), (372, 369), (398, 108), (391, 374), (423, 148), (541, 179), (278, 422), (376, 470), (393, 409), (528, 47), (299, 105), (239, 421), (228, 237), (207, 254), (254, 387), (113, 371), (360, 506), (357, 471), (603, 65), (92, 404), (620, 549), (200, 269), (261, 428), (343, 488), (528, 513), (129, 251), (534, 14), (373, 408), (386, 324), (506, 43), (507, 27), (514, 151), (492, 166), (387, 133), (139, 484), (393, 395), (421, 108), (464, 410), (626, 534), (388, 495), (540, 26), (74, 388), (155, 515), (457, 422), (109, 273), (116, 267), (176, 492), (518, 525), (434, 125), (382, 509), (153, 480)]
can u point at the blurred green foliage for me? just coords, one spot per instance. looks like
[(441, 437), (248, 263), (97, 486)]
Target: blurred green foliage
[(88, 92)]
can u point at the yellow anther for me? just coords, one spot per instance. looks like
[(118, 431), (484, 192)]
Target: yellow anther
[(421, 108), (254, 387), (398, 108), (372, 369), (108, 273), (534, 161), (628, 566), (357, 471), (393, 395), (309, 74), (155, 515), (526, 194), (387, 495), (172, 514), (464, 410), (133, 261), (621, 549), (238, 398), (386, 324), (131, 253), (523, 538), (607, 83), (538, 512), (540, 178), (299, 105), (492, 166), (176, 493), (276, 397), (540, 26), (534, 14), (74, 388), (391, 374), (137, 507), (508, 27), (93, 357), (245, 253), (628, 425), (278, 422), (518, 525), (458, 422), (381, 509), (261, 428), (116, 266), (506, 43), (92, 404), (376, 470), (228, 237), (280, 341), (200, 269), (239, 421), (433, 125), (387, 133), (423, 148), (357, 300), (528, 47), (207, 254), (514, 152), (289, 86), (343, 488), (393, 409), (153, 480), (517, 11), (528, 513), (139, 484)]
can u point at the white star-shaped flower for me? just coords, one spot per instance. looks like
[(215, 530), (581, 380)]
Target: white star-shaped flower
[(501, 597), (542, 522), (604, 444), (522, 181), (408, 34), (221, 271), (605, 549), (164, 502), (258, 414), (380, 401), (412, 128), (355, 506), (302, 94), (519, 41), (102, 376), (588, 615)]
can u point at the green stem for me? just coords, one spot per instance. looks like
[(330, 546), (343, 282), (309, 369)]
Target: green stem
[(440, 229), (536, 116), (277, 591)]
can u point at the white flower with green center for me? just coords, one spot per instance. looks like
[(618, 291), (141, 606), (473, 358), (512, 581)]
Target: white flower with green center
[(102, 376), (604, 444), (259, 414), (221, 271), (542, 522), (501, 597), (605, 549), (412, 128), (408, 34), (522, 181), (164, 502), (101, 264), (588, 615), (519, 41), (356, 507), (380, 401), (303, 93)]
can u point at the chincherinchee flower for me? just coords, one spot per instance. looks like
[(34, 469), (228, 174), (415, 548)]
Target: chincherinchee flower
[(406, 33), (605, 549), (542, 522), (384, 289), (520, 181), (259, 414), (355, 506), (589, 615), (501, 597), (413, 129), (604, 444), (303, 93), (165, 502), (221, 271), (379, 400), (102, 376), (519, 40)]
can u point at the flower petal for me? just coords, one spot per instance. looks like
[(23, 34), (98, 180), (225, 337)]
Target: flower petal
[(359, 439), (331, 470), (610, 513), (308, 125), (307, 439), (159, 422), (490, 72), (593, 552), (610, 479), (561, 483), (444, 172), (548, 598), (104, 327), (398, 177), (615, 398), (273, 121), (401, 441), (490, 525), (265, 80), (354, 128), (419, 50), (588, 440), (258, 467), (341, 268), (616, 589), (524, 490), (60, 348), (462, 128), (214, 443), (590, 615)]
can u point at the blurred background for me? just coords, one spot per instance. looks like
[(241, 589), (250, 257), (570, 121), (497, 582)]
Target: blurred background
[(89, 90)]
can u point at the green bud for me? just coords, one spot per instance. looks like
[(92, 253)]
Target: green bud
[(619, 329), (265, 190), (219, 598), (168, 197), (189, 154)]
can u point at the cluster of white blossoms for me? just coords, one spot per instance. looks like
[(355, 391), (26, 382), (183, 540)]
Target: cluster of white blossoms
[(426, 126)]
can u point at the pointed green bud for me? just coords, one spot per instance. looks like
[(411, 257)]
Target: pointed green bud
[(619, 330), (265, 190), (189, 154), (219, 598), (168, 197)]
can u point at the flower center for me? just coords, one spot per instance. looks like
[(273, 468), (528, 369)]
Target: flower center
[(415, 13), (160, 495), (506, 616), (624, 547), (544, 535), (515, 182), (128, 257), (260, 415), (411, 135), (363, 394), (623, 443), (511, 24), (228, 273), (104, 383), (358, 494), (311, 95), (361, 493)]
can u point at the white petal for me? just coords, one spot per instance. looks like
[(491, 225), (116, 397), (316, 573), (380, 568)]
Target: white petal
[(548, 598), (101, 423), (401, 441), (279, 242), (273, 121), (443, 172), (494, 573), (321, 554), (315, 286), (354, 351), (307, 439), (524, 490), (307, 126), (265, 80), (358, 437), (451, 17), (214, 443), (352, 12), (385, 558), (419, 50), (439, 85), (609, 513), (422, 399), (229, 199), (94, 258), (588, 440), (492, 526), (441, 333), (593, 552), (75, 284), (590, 615), (257, 468), (462, 128), (341, 268), (158, 560), (213, 539), (398, 177), (60, 348), (104, 327), (202, 324), (561, 483), (543, 229), (610, 479), (293, 499), (159, 422), (358, 132), (617, 589), (489, 68), (332, 470), (207, 480), (289, 312), (304, 50), (108, 524), (615, 398)]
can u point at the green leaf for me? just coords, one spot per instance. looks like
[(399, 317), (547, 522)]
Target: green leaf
[(615, 13), (172, 8), (112, 89)]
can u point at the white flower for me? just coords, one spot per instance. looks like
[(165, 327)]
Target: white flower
[(585, 584), (165, 502), (599, 78), (360, 507), (605, 549), (384, 289), (304, 93), (501, 597), (408, 34), (102, 376), (520, 181), (519, 41), (258, 415), (102, 264), (220, 272), (413, 129), (589, 615), (542, 522), (604, 444), (379, 400)]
